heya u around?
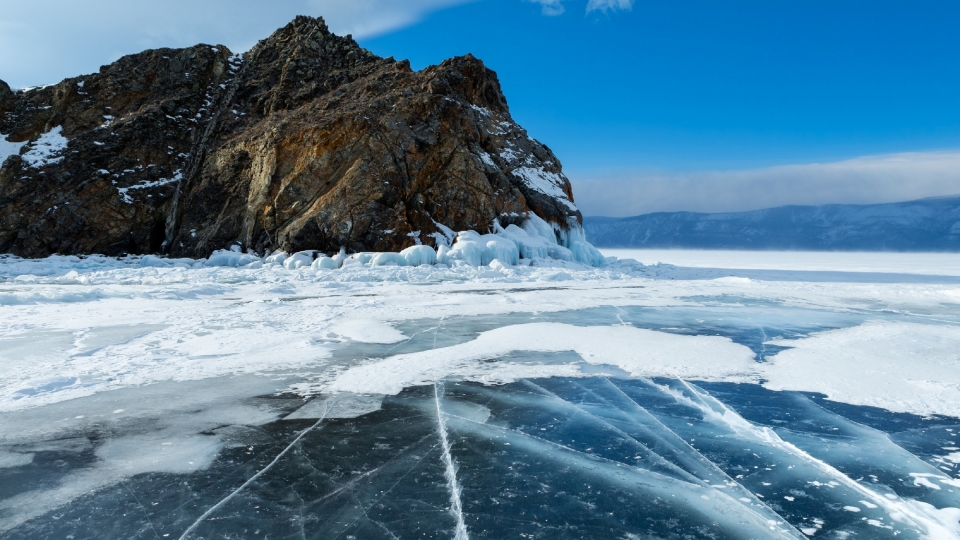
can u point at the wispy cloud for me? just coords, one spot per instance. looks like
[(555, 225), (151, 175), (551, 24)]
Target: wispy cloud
[(44, 41), (609, 5), (550, 7), (555, 7), (864, 180)]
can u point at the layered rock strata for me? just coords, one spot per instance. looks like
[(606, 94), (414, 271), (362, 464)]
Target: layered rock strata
[(307, 141)]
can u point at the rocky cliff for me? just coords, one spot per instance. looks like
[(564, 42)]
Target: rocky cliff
[(307, 141)]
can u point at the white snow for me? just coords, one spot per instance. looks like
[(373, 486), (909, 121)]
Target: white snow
[(125, 192), (367, 331), (8, 148), (546, 182), (487, 159), (898, 366), (46, 149), (642, 353)]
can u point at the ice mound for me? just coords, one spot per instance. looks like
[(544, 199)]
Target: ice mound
[(504, 247)]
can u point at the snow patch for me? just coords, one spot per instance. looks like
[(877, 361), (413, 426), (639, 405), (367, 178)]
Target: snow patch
[(897, 366), (368, 331), (45, 150), (8, 148), (640, 352), (125, 192), (548, 183)]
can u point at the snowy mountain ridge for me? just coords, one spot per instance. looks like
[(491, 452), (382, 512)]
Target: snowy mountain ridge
[(923, 225)]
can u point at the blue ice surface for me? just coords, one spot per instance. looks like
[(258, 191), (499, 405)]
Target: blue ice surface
[(605, 456), (597, 457)]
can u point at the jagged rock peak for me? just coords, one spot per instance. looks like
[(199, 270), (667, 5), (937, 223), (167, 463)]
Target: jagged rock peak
[(467, 76), (307, 141), (299, 62)]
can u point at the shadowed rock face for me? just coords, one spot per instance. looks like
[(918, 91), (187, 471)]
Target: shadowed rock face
[(306, 142)]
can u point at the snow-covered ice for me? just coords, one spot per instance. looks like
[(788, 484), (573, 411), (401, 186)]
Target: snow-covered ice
[(898, 366), (312, 395)]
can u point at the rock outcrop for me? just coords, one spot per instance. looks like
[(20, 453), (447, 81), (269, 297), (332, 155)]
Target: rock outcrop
[(307, 141)]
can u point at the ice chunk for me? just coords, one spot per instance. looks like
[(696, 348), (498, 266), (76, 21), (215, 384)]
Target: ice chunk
[(14, 459), (340, 257), (500, 249), (325, 263), (443, 254), (571, 242), (445, 236), (497, 265), (467, 249), (388, 259), (574, 239), (224, 257), (357, 259), (533, 245), (419, 255), (480, 250), (276, 257), (300, 259)]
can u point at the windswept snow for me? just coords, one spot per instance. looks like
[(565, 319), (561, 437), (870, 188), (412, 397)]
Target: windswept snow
[(641, 353), (898, 366)]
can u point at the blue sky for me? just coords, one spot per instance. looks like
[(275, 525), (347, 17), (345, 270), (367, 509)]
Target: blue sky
[(650, 105), (685, 84)]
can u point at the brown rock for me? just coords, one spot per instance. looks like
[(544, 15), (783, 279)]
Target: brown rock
[(306, 142)]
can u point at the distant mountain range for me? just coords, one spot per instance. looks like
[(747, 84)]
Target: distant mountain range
[(922, 225)]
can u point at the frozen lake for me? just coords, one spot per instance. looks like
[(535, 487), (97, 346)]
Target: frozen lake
[(735, 395)]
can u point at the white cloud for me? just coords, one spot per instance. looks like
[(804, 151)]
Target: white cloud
[(609, 5), (45, 41), (863, 180), (550, 7), (555, 7)]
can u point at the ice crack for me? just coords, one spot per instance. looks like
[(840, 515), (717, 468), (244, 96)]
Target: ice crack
[(214, 508), (450, 472)]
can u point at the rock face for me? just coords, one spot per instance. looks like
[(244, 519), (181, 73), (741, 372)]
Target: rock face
[(308, 141)]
